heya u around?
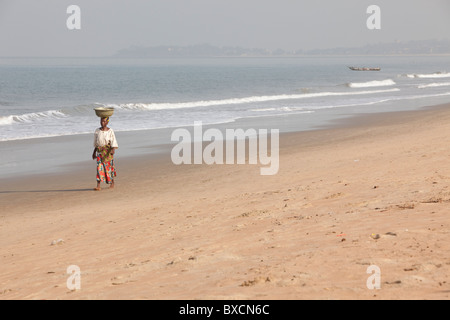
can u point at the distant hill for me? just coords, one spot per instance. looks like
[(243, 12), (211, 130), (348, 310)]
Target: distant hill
[(411, 47), (201, 50), (207, 50)]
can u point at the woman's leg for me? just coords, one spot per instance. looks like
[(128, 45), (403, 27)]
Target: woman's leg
[(110, 173), (100, 174)]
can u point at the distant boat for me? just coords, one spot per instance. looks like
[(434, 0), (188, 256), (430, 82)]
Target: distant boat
[(364, 69)]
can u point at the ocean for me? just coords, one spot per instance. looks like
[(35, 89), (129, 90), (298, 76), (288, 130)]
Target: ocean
[(54, 97)]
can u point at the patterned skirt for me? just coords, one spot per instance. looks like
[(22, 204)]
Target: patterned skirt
[(105, 169)]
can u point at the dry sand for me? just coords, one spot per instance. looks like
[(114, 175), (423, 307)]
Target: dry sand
[(372, 193)]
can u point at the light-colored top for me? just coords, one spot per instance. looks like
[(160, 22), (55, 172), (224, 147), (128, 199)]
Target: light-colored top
[(103, 138)]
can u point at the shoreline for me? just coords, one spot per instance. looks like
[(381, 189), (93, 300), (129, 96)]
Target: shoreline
[(368, 190), (82, 173), (157, 145), (25, 157)]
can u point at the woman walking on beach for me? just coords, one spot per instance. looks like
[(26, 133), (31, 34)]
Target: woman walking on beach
[(105, 144)]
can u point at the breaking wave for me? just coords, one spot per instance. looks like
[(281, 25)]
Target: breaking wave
[(233, 101), (369, 84), (434, 85), (31, 117), (429, 75)]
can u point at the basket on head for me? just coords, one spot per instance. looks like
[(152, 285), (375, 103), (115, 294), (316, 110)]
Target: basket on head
[(104, 112)]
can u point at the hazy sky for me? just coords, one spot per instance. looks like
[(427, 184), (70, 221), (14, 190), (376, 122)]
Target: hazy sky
[(38, 27)]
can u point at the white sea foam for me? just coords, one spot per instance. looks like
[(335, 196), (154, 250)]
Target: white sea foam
[(31, 117), (430, 75), (434, 85), (6, 120), (282, 109), (369, 84), (54, 115), (233, 101)]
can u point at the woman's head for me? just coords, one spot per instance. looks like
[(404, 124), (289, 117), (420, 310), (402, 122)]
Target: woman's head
[(104, 121)]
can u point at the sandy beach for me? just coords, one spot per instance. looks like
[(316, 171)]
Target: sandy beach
[(373, 191)]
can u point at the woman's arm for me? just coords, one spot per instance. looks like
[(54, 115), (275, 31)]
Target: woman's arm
[(94, 155)]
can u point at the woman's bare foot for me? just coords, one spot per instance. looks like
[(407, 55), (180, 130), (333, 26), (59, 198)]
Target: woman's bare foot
[(97, 189), (112, 185)]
